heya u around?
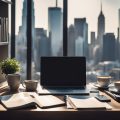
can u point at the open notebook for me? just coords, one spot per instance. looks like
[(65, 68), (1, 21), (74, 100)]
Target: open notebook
[(24, 100)]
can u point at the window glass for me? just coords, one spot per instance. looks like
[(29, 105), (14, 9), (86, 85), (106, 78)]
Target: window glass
[(47, 31), (93, 32)]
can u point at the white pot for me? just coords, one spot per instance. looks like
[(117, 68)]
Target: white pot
[(13, 81)]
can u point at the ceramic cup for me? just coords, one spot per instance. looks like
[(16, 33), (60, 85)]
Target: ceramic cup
[(30, 85), (117, 85), (104, 81)]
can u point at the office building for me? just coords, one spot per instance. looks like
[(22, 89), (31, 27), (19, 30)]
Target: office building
[(119, 36), (22, 38), (101, 28), (79, 46), (93, 38), (81, 31), (92, 45), (119, 24), (71, 41), (109, 47), (42, 46), (55, 22)]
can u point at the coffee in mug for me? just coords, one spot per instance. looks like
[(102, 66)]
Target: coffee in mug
[(30, 85), (104, 81)]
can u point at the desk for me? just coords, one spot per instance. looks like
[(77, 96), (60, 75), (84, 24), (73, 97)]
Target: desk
[(61, 113)]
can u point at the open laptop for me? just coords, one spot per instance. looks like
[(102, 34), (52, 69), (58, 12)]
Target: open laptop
[(63, 75)]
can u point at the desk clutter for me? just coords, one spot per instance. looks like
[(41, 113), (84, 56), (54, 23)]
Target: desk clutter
[(93, 100), (111, 90), (24, 100)]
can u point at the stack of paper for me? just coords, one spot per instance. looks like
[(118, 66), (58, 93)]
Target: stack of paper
[(78, 102)]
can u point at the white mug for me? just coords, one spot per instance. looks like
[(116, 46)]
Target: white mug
[(104, 81), (30, 85)]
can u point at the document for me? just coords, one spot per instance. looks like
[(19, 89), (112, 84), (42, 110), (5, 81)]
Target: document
[(81, 102)]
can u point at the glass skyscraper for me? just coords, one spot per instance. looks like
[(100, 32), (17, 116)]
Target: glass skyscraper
[(55, 22)]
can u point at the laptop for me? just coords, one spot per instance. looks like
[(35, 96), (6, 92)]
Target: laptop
[(63, 75)]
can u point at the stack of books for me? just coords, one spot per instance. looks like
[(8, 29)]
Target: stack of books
[(4, 26)]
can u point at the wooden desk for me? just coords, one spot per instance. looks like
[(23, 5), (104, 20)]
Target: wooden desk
[(61, 113)]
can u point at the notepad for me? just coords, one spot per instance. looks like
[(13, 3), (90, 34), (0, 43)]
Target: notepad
[(24, 100), (81, 102)]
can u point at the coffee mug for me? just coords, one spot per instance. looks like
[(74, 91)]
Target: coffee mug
[(30, 85), (104, 81), (117, 85)]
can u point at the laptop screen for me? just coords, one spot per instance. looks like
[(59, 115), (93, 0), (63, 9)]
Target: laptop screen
[(63, 71)]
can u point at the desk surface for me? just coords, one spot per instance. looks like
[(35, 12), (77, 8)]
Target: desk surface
[(115, 105)]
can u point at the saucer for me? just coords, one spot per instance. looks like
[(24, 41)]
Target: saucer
[(98, 86)]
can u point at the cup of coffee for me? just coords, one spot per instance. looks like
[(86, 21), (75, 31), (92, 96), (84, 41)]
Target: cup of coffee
[(117, 85), (104, 81), (30, 85)]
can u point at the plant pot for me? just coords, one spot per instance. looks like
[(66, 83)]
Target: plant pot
[(13, 82)]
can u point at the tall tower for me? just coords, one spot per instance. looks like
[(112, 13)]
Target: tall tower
[(101, 28), (22, 38), (71, 41), (24, 22), (81, 32), (100, 32), (109, 47), (119, 26), (55, 28)]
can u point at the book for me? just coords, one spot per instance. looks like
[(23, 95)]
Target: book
[(26, 100), (3, 86), (85, 102)]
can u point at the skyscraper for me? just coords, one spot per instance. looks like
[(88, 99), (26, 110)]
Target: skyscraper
[(100, 33), (92, 45), (21, 41), (79, 46), (42, 46), (101, 28), (119, 25), (109, 47), (119, 36), (71, 41), (81, 30), (55, 28), (23, 28), (93, 39)]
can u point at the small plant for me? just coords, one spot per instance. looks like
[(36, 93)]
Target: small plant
[(10, 66)]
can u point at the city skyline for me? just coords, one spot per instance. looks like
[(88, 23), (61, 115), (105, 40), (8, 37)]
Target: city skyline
[(103, 42), (109, 7)]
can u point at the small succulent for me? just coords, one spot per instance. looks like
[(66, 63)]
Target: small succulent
[(10, 66)]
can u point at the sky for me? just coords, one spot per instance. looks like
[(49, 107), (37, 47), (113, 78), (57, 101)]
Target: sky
[(76, 9)]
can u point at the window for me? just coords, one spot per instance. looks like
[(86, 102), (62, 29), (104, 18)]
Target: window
[(92, 32)]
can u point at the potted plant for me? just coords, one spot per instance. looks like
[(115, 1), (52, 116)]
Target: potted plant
[(10, 68)]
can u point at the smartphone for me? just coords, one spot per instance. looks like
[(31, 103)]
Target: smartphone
[(102, 98)]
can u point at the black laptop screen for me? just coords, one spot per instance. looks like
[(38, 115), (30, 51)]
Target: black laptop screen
[(63, 71)]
